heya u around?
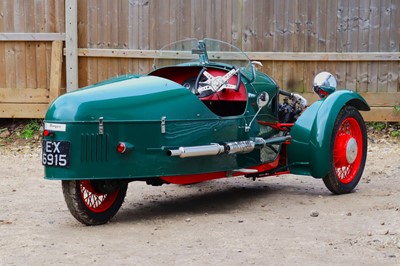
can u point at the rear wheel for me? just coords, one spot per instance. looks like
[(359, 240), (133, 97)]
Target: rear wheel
[(348, 151), (94, 202)]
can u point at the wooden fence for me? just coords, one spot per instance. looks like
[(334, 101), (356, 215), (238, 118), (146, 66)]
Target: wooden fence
[(357, 40)]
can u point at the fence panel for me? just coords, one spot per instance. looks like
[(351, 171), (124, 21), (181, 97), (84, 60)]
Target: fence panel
[(278, 26)]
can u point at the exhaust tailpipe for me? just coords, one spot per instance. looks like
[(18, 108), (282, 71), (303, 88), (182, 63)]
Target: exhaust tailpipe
[(234, 147)]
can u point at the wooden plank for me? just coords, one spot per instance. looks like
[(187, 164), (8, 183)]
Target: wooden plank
[(289, 25), (248, 26), (32, 36), (19, 47), (384, 45), (342, 40), (112, 10), (331, 28), (219, 25), (134, 30), (41, 56), (50, 24), (24, 95), (143, 41), (279, 30), (258, 24), (41, 65), (311, 44), (269, 27), (59, 14), (30, 47), (386, 114), (310, 71), (123, 33), (20, 62), (394, 67), (263, 56), (83, 41), (164, 29), (299, 42), (17, 110), (56, 68), (374, 28), (172, 21), (71, 44), (363, 43), (237, 22), (374, 99), (10, 65), (93, 40), (185, 15), (2, 65), (352, 31)]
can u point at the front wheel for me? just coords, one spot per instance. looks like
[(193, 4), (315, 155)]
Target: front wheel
[(94, 202), (348, 151)]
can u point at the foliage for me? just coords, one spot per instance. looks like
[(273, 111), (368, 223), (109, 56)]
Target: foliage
[(379, 126), (395, 133), (382, 129), (30, 129)]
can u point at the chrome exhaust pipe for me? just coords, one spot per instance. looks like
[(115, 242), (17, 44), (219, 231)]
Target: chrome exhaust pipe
[(195, 151), (234, 147)]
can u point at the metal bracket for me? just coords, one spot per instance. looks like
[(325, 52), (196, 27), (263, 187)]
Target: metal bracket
[(163, 124)]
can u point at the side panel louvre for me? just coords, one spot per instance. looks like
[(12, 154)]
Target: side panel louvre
[(94, 147)]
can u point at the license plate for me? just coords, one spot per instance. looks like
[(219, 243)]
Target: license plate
[(55, 153)]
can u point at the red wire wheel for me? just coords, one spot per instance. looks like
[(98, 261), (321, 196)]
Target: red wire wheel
[(94, 202), (349, 151)]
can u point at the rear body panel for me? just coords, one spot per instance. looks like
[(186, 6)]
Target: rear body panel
[(151, 114)]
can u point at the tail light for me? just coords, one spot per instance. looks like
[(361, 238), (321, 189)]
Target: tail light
[(124, 147), (121, 147), (48, 133)]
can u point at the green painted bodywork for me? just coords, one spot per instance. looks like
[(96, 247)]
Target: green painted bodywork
[(155, 113), (132, 108), (310, 150)]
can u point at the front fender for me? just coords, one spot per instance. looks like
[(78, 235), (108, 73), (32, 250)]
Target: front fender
[(310, 150)]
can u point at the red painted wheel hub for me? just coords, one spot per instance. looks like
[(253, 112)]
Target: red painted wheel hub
[(96, 202), (347, 151)]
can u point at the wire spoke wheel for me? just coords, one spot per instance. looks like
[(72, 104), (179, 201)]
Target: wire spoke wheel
[(91, 205), (96, 202), (349, 151)]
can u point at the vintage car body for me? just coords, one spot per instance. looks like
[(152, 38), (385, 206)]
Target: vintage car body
[(196, 121)]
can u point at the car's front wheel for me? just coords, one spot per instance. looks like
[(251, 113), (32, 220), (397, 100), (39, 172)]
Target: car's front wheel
[(94, 202), (348, 151)]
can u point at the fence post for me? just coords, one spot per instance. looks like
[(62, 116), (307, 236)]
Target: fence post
[(71, 44), (55, 70)]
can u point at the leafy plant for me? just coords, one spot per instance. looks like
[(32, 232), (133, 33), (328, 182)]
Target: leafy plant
[(395, 133), (397, 108), (30, 129), (379, 126)]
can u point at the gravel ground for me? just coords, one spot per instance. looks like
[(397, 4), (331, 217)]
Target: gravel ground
[(285, 220)]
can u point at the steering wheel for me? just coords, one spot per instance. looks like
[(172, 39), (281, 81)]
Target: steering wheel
[(207, 84)]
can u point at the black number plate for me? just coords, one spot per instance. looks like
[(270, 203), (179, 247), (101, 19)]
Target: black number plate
[(55, 153)]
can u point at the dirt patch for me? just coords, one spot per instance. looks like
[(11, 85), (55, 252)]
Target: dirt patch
[(275, 220)]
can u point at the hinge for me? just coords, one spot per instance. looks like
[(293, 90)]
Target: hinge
[(101, 126)]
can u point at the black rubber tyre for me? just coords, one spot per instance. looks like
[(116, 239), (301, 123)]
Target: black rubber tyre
[(348, 151), (94, 202)]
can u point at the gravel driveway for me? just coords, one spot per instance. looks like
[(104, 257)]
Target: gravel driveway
[(285, 220)]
